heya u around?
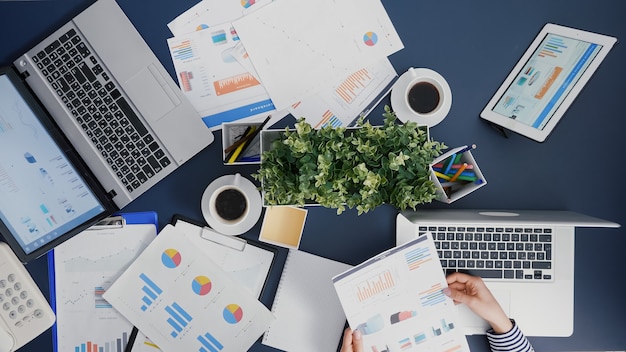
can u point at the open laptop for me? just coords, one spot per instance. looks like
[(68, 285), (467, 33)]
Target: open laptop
[(540, 297), (89, 108)]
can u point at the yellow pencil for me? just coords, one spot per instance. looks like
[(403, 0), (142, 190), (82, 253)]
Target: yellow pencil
[(237, 151), (440, 175)]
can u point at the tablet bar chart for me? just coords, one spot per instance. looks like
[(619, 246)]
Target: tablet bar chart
[(553, 47)]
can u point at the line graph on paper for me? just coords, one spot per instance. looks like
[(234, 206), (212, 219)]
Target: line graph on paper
[(85, 267)]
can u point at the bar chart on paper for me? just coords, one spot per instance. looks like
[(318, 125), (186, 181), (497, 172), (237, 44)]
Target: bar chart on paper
[(116, 345), (404, 283), (182, 301), (87, 265), (381, 284)]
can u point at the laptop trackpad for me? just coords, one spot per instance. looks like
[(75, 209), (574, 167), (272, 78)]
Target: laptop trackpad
[(475, 325), (151, 94)]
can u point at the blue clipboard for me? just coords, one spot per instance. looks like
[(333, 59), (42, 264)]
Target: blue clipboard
[(146, 217)]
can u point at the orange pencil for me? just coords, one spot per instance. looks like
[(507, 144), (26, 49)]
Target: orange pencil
[(458, 172)]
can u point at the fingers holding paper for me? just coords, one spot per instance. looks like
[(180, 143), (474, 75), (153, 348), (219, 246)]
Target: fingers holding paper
[(352, 341)]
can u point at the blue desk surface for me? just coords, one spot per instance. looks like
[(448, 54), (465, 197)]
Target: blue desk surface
[(473, 44)]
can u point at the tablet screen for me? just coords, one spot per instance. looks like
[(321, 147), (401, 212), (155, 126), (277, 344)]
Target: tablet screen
[(546, 79)]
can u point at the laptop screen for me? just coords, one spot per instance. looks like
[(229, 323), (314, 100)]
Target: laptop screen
[(44, 196)]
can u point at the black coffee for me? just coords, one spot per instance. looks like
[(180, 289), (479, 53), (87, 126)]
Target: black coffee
[(230, 204), (423, 97)]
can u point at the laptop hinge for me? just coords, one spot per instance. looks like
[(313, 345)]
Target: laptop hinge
[(112, 194), (24, 75)]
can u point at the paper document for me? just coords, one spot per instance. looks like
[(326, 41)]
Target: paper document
[(183, 301), (396, 300), (355, 95), (84, 268), (250, 267), (209, 13), (297, 47), (210, 75)]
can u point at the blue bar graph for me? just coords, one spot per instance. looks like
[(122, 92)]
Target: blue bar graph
[(178, 319), (151, 290), (209, 343)]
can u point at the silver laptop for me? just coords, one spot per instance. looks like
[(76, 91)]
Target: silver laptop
[(99, 65), (526, 258), (113, 101)]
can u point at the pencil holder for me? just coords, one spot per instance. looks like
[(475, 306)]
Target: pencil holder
[(456, 174), (232, 133)]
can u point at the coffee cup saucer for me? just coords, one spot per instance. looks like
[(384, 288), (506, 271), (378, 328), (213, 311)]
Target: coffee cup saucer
[(254, 202), (400, 90)]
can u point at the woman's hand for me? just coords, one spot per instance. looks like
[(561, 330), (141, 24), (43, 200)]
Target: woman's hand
[(472, 291)]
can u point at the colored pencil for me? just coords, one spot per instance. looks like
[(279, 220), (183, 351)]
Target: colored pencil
[(458, 173)]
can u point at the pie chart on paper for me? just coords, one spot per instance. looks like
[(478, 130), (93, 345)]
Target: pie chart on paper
[(247, 3), (201, 285), (233, 313), (171, 258), (370, 38)]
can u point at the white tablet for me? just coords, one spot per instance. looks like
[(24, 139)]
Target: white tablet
[(545, 81)]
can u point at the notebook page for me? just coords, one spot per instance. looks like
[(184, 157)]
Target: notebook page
[(308, 313)]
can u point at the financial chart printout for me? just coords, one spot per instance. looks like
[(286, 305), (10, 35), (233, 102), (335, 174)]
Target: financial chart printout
[(85, 266), (396, 300), (183, 301)]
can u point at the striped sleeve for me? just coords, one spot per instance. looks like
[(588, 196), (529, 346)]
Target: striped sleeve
[(512, 341)]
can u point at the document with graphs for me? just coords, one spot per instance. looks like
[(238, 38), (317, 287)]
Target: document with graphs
[(396, 300), (81, 270), (183, 301)]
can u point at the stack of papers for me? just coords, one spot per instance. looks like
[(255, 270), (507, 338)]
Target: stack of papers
[(323, 60), (183, 301)]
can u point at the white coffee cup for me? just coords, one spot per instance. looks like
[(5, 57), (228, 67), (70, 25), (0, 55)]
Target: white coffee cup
[(229, 203), (421, 95)]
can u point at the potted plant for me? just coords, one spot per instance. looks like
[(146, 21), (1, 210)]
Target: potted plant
[(360, 167)]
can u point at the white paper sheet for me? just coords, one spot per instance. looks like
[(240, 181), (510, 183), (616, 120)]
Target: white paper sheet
[(298, 46), (183, 301), (350, 98), (396, 300), (250, 267), (85, 266), (218, 86), (209, 13)]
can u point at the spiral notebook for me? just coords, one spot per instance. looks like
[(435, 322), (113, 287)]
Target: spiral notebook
[(308, 313)]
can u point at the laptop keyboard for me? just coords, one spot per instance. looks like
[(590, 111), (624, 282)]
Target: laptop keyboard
[(86, 88), (493, 253)]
